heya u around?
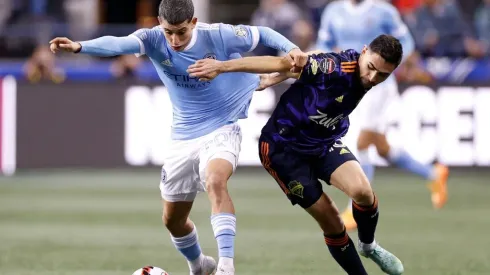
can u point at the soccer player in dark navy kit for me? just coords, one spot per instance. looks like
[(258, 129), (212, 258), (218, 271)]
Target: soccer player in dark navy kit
[(300, 143)]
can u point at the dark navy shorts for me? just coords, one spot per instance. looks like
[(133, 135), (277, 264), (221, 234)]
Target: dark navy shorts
[(298, 174)]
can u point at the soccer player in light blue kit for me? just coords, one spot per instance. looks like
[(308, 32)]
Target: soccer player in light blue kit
[(350, 24), (205, 141)]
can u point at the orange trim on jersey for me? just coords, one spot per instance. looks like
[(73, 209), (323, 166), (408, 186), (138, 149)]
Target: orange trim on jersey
[(348, 63), (264, 151), (348, 67)]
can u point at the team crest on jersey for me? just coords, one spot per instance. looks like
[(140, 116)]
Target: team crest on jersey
[(327, 65), (296, 188), (240, 31), (210, 56)]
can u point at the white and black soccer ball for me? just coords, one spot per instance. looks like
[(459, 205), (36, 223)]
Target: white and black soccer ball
[(150, 270)]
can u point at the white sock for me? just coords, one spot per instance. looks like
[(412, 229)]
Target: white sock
[(367, 246), (225, 261), (196, 264)]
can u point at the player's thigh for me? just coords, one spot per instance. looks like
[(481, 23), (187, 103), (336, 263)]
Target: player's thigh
[(179, 178), (340, 168), (219, 153), (293, 173)]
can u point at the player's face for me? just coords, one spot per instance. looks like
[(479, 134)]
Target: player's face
[(373, 69), (178, 36)]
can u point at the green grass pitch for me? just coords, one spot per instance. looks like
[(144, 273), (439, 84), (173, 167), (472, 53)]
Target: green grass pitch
[(107, 222)]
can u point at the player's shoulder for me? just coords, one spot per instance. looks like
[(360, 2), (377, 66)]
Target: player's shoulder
[(342, 62), (152, 35), (205, 27), (214, 30)]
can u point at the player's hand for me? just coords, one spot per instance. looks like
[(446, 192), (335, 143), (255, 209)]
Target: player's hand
[(64, 44), (298, 59), (205, 69), (265, 81)]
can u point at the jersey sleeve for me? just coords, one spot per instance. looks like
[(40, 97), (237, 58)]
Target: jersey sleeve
[(239, 38), (147, 38)]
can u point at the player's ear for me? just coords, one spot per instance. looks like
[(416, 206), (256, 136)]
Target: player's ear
[(364, 49), (194, 21), (160, 20)]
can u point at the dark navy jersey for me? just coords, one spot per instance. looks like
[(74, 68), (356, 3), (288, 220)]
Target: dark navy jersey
[(313, 113)]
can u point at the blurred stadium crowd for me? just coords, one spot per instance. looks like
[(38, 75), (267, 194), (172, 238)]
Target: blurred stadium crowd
[(441, 28)]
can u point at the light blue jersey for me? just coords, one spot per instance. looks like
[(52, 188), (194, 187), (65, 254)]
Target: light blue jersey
[(351, 26), (198, 107)]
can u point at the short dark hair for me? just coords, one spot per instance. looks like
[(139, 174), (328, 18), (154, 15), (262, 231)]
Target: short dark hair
[(176, 11), (388, 47)]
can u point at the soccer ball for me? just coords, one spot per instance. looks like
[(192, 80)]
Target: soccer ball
[(150, 270)]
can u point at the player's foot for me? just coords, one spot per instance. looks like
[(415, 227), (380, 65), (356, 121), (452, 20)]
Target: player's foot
[(438, 186), (208, 266), (388, 262), (348, 218)]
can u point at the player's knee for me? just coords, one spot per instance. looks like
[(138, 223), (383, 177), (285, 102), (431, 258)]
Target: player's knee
[(382, 146), (383, 151), (173, 222), (216, 184), (363, 144), (364, 140), (362, 193)]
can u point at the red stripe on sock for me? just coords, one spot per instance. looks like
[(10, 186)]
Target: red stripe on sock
[(337, 241), (366, 208)]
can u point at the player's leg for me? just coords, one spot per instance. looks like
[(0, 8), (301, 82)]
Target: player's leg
[(184, 236), (437, 174), (218, 159), (364, 116), (341, 169), (336, 238), (299, 182), (179, 186)]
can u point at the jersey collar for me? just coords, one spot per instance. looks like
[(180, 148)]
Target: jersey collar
[(193, 39)]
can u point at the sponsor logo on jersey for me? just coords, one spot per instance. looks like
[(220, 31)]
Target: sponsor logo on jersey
[(325, 121), (327, 65)]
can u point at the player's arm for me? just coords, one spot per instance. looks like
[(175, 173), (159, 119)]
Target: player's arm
[(103, 46), (326, 37), (210, 68)]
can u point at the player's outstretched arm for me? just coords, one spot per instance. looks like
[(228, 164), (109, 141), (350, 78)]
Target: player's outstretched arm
[(210, 68), (103, 46)]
